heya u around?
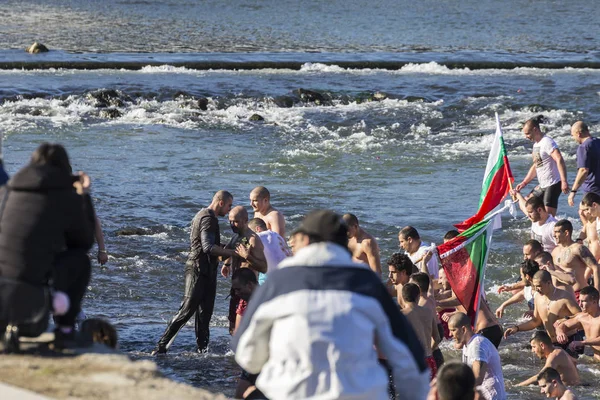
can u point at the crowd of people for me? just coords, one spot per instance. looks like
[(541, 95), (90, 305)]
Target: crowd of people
[(311, 317)]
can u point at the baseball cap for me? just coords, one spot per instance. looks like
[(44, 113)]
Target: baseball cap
[(323, 224)]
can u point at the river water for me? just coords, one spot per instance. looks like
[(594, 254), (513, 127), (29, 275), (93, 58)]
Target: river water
[(417, 157)]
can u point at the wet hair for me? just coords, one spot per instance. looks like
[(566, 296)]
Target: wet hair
[(543, 276), (542, 337), (451, 234), (409, 232), (96, 330), (422, 280), (549, 374), (257, 223), (544, 258), (410, 293), (589, 199), (223, 195), (459, 320), (350, 219), (262, 192), (52, 154), (590, 291), (564, 225), (402, 262), (536, 121), (244, 276), (535, 202), (536, 246), (455, 381), (530, 268)]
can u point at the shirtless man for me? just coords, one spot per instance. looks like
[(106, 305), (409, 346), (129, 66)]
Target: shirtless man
[(589, 233), (557, 358), (542, 223), (424, 323), (551, 385), (574, 257), (588, 320), (260, 200), (362, 245), (249, 249), (427, 300), (551, 304), (561, 279), (401, 268), (528, 269)]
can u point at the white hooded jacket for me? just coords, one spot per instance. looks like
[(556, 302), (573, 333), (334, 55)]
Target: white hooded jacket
[(309, 331)]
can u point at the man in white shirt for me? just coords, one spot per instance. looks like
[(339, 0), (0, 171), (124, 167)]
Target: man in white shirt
[(548, 165), (481, 355), (542, 223), (411, 243)]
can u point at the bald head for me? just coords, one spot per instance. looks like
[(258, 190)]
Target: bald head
[(238, 213), (542, 276), (580, 127), (222, 195), (459, 320), (261, 192)]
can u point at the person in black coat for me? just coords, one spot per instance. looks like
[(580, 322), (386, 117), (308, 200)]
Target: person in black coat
[(47, 228)]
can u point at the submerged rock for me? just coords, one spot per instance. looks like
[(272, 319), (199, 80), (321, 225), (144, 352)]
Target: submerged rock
[(132, 232), (107, 98), (203, 103), (284, 101), (36, 48), (256, 117), (310, 96), (110, 113)]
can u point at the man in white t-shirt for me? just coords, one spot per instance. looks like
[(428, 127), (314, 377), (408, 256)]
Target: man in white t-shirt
[(410, 242), (542, 223), (548, 165), (479, 354), (275, 246)]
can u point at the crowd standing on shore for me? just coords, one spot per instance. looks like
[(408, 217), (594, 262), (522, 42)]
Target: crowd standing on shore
[(315, 319)]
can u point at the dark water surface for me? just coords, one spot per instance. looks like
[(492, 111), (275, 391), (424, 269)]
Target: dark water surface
[(416, 157)]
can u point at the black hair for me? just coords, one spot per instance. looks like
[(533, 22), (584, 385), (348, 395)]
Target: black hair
[(257, 223), (564, 225), (409, 232), (244, 276), (536, 246), (544, 258), (52, 154), (410, 293), (535, 202), (590, 198), (350, 219), (451, 234), (422, 280), (549, 374), (402, 262), (536, 121), (530, 268), (455, 381), (542, 337), (591, 292)]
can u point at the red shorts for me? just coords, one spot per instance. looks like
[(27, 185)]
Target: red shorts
[(432, 366)]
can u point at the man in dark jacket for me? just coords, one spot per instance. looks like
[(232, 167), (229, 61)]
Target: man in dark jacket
[(47, 228), (200, 273)]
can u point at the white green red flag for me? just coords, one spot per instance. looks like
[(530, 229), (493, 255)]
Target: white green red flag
[(497, 180), (464, 259)]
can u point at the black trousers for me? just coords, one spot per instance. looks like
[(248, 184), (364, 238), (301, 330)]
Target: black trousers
[(198, 298), (72, 270)]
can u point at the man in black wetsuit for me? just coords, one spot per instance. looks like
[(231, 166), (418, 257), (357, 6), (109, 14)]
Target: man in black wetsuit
[(200, 273)]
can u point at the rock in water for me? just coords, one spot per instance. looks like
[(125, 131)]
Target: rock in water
[(131, 232), (256, 117), (110, 113), (36, 48), (203, 103), (310, 96)]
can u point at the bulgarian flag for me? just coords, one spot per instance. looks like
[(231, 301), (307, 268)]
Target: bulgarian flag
[(464, 259), (497, 180)]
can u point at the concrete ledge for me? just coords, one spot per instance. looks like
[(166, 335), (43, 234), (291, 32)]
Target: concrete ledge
[(90, 376)]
